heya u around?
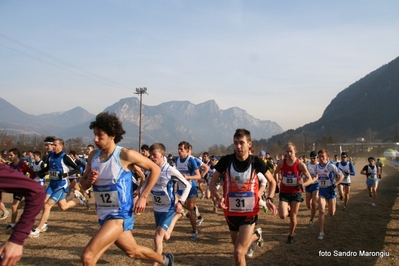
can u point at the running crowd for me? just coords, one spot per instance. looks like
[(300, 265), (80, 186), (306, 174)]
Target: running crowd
[(124, 181)]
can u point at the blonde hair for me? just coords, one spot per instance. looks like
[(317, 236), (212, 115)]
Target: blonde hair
[(290, 144)]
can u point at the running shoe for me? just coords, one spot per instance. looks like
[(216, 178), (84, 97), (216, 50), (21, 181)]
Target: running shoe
[(373, 204), (258, 232), (290, 240), (5, 215), (199, 221), (78, 194), (171, 259), (251, 250), (262, 204), (203, 196), (84, 203), (194, 235), (10, 227), (321, 236), (215, 209), (310, 223), (196, 212), (44, 228), (34, 233), (184, 213)]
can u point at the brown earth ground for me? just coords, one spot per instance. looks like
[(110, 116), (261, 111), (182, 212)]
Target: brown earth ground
[(359, 228)]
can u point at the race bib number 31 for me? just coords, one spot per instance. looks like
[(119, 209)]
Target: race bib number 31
[(106, 196), (241, 201)]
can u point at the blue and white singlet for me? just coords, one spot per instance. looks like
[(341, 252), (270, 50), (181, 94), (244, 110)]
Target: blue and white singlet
[(113, 189)]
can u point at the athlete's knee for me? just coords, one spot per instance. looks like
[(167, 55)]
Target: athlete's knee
[(239, 253), (87, 258)]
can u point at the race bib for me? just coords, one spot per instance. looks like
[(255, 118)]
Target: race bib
[(290, 180), (54, 175), (372, 176), (241, 201), (106, 196), (160, 198), (324, 183)]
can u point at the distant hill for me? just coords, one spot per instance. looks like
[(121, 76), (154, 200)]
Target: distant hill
[(203, 125), (367, 109)]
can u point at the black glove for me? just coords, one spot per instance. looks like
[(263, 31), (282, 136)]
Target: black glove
[(332, 189)]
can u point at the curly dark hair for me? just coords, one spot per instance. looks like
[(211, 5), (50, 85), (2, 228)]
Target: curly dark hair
[(110, 124)]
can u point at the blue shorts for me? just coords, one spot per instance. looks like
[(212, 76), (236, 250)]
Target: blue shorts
[(326, 193), (193, 192), (370, 182), (57, 194), (128, 222), (312, 187), (164, 219)]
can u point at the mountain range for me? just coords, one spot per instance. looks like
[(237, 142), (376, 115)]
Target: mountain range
[(368, 109), (203, 125)]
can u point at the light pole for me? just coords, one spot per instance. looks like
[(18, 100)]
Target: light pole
[(140, 91)]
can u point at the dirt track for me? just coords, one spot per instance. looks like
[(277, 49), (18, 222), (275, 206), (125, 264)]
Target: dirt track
[(360, 228)]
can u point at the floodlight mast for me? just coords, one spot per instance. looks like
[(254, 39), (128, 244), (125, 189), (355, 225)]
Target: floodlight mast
[(140, 91)]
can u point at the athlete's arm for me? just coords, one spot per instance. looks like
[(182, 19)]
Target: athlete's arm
[(278, 169), (27, 170), (337, 172), (305, 172), (129, 158), (364, 171), (206, 169), (178, 177), (89, 176), (70, 163), (351, 169)]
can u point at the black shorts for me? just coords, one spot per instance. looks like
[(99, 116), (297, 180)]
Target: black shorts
[(345, 184), (234, 222), (17, 197), (288, 197)]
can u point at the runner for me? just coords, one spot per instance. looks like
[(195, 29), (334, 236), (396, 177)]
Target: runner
[(187, 165), (312, 191), (14, 182), (290, 195), (348, 170), (20, 166), (326, 171), (212, 162), (58, 167), (241, 193), (38, 165), (109, 171), (371, 171), (203, 168), (166, 210), (379, 164)]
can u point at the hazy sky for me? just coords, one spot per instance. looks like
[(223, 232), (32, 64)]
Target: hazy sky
[(279, 60)]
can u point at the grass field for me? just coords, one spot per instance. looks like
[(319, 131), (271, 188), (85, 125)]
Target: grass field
[(359, 228)]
